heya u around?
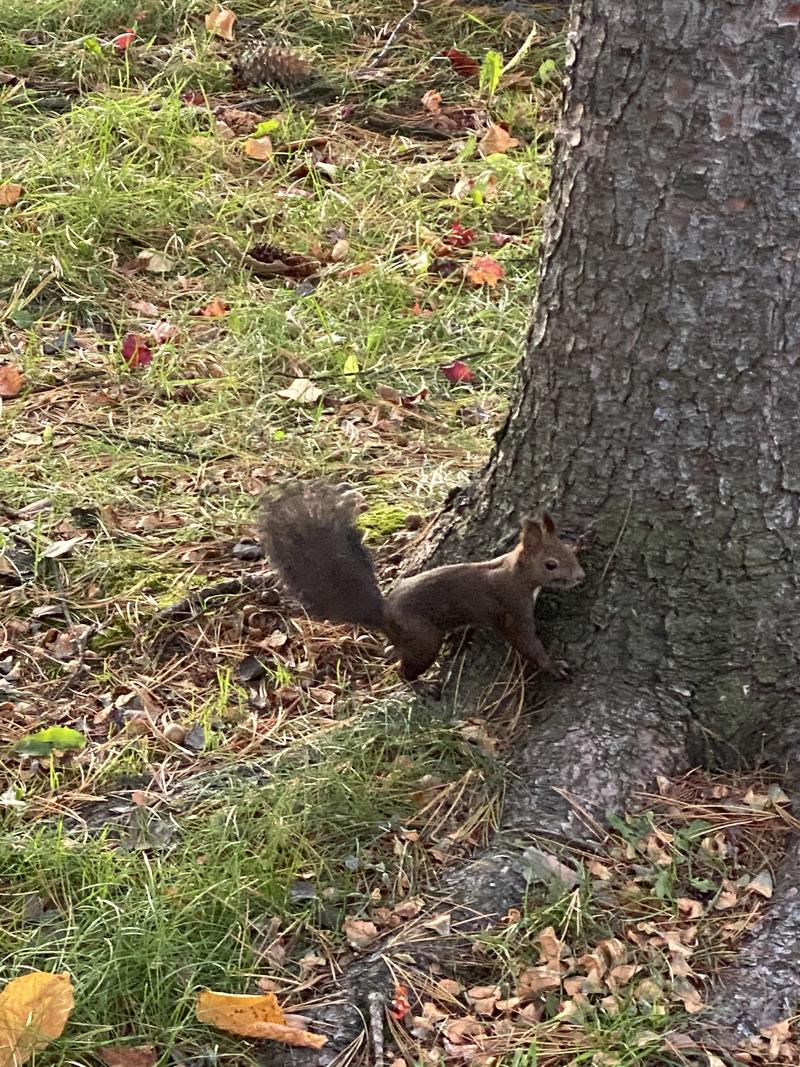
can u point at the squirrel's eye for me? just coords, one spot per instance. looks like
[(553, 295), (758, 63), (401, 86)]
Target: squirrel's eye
[(551, 564)]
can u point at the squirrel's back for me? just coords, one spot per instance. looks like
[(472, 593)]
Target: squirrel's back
[(309, 536)]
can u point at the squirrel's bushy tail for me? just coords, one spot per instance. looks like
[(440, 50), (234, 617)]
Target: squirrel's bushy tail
[(309, 536)]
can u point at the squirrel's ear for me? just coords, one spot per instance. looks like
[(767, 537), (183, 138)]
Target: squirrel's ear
[(548, 524), (531, 534)]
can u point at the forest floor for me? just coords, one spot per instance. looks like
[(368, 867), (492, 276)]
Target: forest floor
[(205, 292)]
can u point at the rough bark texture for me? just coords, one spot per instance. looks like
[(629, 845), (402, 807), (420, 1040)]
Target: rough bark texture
[(657, 399), (656, 403), (764, 986)]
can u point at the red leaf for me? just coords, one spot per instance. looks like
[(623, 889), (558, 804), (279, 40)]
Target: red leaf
[(457, 371), (484, 270), (135, 351), (461, 63), (124, 40), (460, 236), (500, 239), (193, 97)]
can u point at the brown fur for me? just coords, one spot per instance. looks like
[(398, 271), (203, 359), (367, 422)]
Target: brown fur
[(310, 537)]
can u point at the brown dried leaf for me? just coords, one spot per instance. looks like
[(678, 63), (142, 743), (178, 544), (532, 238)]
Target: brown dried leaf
[(535, 980), (128, 1055), (220, 22), (728, 898), (10, 193), (359, 932), (440, 924), (762, 884), (495, 140), (259, 148), (551, 947), (690, 909)]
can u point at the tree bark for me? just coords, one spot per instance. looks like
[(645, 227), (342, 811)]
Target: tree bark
[(656, 404)]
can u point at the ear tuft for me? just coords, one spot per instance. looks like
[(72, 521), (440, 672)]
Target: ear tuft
[(532, 534), (548, 523)]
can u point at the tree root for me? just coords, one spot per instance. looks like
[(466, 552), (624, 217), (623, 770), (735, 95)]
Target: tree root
[(763, 986), (594, 748)]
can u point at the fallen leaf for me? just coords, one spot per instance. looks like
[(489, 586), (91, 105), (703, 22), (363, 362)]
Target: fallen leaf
[(146, 308), (163, 331), (460, 236), (359, 932), (457, 371), (259, 148), (124, 40), (500, 240), (220, 21), (440, 924), (135, 350), (301, 390), (535, 980), (340, 250), (432, 101), (10, 193), (551, 947), (237, 1012), (762, 884), (257, 1015), (128, 1055), (155, 262), (34, 1009), (727, 898), (496, 140), (43, 742), (10, 381), (461, 63), (214, 309), (690, 909), (483, 270)]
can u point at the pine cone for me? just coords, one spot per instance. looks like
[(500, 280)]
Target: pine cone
[(271, 65)]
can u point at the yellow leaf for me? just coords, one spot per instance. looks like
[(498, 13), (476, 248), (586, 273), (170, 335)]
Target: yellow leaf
[(495, 140), (34, 1009), (258, 148), (10, 193), (219, 21), (257, 1015)]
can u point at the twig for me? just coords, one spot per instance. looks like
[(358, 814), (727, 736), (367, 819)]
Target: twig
[(148, 442), (379, 58), (376, 1007), (615, 546), (188, 606)]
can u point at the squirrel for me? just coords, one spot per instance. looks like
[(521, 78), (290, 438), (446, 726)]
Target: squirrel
[(309, 534)]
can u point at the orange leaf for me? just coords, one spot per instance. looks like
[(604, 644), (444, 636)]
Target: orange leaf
[(10, 193), (258, 1015), (214, 309), (258, 148), (34, 1009), (359, 932), (10, 381), (495, 140), (219, 21), (484, 270)]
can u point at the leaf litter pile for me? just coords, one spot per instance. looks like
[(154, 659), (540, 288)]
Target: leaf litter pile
[(241, 248)]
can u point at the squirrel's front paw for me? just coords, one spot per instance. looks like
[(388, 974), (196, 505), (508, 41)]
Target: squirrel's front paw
[(559, 669)]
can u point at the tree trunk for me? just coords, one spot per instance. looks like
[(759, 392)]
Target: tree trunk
[(656, 403)]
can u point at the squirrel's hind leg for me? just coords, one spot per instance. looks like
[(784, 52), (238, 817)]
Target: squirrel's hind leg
[(417, 647)]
